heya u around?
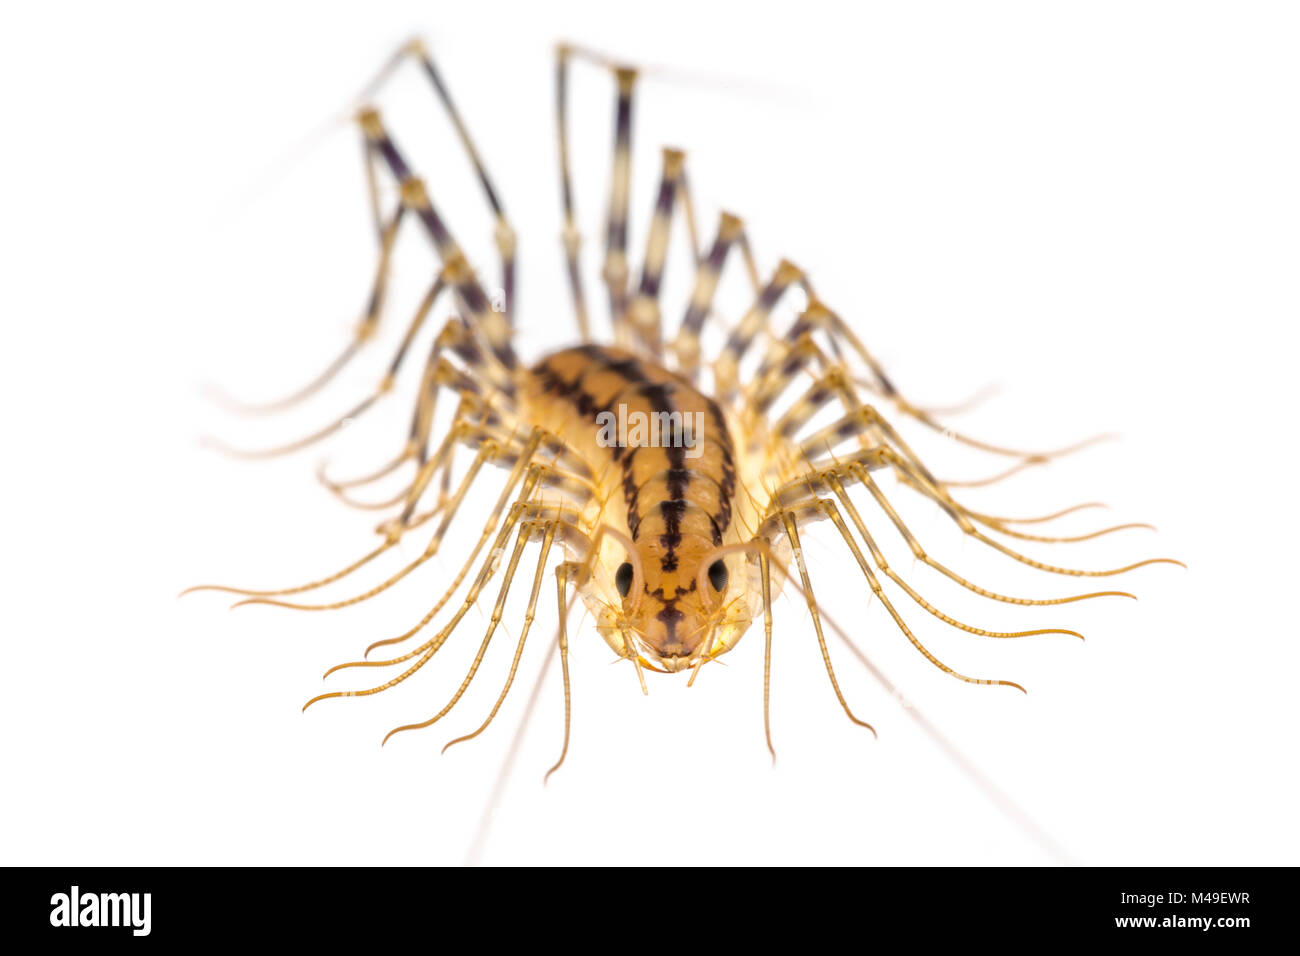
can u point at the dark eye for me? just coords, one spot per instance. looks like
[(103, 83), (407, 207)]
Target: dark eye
[(718, 575), (623, 578)]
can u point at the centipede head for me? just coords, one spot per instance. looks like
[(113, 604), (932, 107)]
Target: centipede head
[(674, 608)]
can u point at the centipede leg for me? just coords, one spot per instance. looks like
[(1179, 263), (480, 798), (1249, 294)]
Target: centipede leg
[(521, 510), (726, 368), (765, 573), (531, 611), (534, 479), (831, 511), (364, 332), (643, 326), (486, 453), (792, 534), (856, 469), (504, 234), (571, 237), (936, 494), (521, 539), (730, 233), (472, 302), (564, 574)]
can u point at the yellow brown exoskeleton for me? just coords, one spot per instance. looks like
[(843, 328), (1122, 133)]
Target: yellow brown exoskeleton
[(671, 482)]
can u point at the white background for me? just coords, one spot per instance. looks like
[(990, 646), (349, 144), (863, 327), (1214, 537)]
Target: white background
[(1095, 206)]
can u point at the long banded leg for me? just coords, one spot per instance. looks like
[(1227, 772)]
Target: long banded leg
[(726, 368), (564, 574), (521, 510), (392, 531), (416, 446), (765, 575), (437, 375), (839, 327), (878, 557), (365, 330), (571, 237), (859, 423), (865, 420), (472, 302), (829, 509), (644, 321), (490, 382), (521, 539), (531, 611), (504, 234), (790, 527), (383, 388), (731, 233), (534, 480), (615, 272), (487, 452), (856, 469), (936, 494), (818, 317), (830, 384)]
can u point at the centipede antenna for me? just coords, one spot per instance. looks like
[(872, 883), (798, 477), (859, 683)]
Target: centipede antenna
[(640, 673)]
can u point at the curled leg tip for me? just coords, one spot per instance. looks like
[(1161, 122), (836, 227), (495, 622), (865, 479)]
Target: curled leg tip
[(451, 743)]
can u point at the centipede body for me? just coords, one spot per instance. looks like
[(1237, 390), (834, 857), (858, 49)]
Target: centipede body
[(677, 548)]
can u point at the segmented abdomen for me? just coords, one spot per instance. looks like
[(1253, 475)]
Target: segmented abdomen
[(681, 487)]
